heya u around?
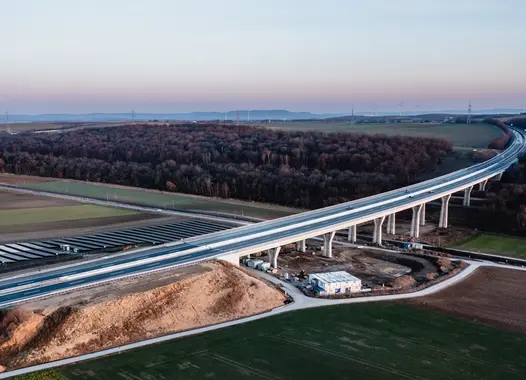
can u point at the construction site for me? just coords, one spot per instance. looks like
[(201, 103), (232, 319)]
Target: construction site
[(119, 313), (380, 271)]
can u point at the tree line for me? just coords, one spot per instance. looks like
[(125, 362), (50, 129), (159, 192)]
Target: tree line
[(301, 169)]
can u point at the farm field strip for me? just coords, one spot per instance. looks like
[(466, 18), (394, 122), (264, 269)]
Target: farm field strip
[(59, 213), (496, 244), (162, 200), (462, 135), (374, 341)]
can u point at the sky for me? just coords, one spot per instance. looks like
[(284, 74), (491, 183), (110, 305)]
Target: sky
[(64, 56)]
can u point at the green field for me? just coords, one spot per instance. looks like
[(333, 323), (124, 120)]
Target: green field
[(377, 341), (158, 199), (59, 213), (501, 245), (462, 135)]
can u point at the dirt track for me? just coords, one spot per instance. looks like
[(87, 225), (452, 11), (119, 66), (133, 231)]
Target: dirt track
[(491, 295)]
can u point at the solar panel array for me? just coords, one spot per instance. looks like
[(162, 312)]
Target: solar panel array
[(100, 241), (11, 253)]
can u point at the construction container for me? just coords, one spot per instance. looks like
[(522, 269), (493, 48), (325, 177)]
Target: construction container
[(263, 266), (254, 263)]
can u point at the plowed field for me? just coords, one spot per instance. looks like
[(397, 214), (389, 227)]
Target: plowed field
[(491, 295)]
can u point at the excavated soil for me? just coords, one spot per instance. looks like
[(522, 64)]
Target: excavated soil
[(490, 295), (220, 294), (359, 262)]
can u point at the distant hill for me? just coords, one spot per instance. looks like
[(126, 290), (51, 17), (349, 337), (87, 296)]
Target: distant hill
[(190, 116), (255, 115)]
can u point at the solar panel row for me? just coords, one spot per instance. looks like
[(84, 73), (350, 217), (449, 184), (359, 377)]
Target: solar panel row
[(107, 240)]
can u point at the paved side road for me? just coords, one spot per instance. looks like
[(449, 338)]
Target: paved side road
[(300, 302)]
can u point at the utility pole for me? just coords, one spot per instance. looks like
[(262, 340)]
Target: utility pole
[(468, 120)]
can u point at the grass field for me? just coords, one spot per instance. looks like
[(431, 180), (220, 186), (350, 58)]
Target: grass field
[(60, 213), (378, 341), (24, 127), (501, 245), (462, 135), (158, 199)]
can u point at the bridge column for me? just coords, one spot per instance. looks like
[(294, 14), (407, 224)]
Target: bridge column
[(415, 222), (498, 177), (444, 211), (301, 246), (232, 259), (327, 243), (423, 215), (482, 185), (351, 235), (273, 256), (377, 235), (467, 196), (391, 224)]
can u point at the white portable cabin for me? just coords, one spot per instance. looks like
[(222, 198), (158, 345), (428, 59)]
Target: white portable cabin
[(263, 266), (254, 263), (335, 283)]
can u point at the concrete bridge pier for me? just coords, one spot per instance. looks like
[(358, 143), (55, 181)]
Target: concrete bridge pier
[(377, 235), (327, 243), (415, 222), (443, 222), (498, 177), (482, 185), (273, 256), (301, 246), (467, 196), (391, 224), (423, 215), (232, 259), (351, 235)]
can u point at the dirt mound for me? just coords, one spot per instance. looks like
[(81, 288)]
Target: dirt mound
[(10, 320), (452, 235), (402, 282), (212, 297)]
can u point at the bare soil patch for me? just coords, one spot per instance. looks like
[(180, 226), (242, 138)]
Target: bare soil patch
[(369, 268), (448, 236), (490, 295), (218, 293)]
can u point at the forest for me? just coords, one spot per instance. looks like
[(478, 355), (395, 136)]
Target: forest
[(301, 169)]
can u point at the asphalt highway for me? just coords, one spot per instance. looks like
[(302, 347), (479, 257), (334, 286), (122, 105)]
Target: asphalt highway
[(243, 239)]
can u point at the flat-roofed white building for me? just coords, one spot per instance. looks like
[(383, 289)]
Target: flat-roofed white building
[(335, 283)]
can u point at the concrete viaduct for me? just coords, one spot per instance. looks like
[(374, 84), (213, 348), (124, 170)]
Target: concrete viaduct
[(271, 235)]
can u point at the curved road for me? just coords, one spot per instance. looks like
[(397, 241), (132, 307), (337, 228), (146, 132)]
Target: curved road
[(300, 302), (256, 237)]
